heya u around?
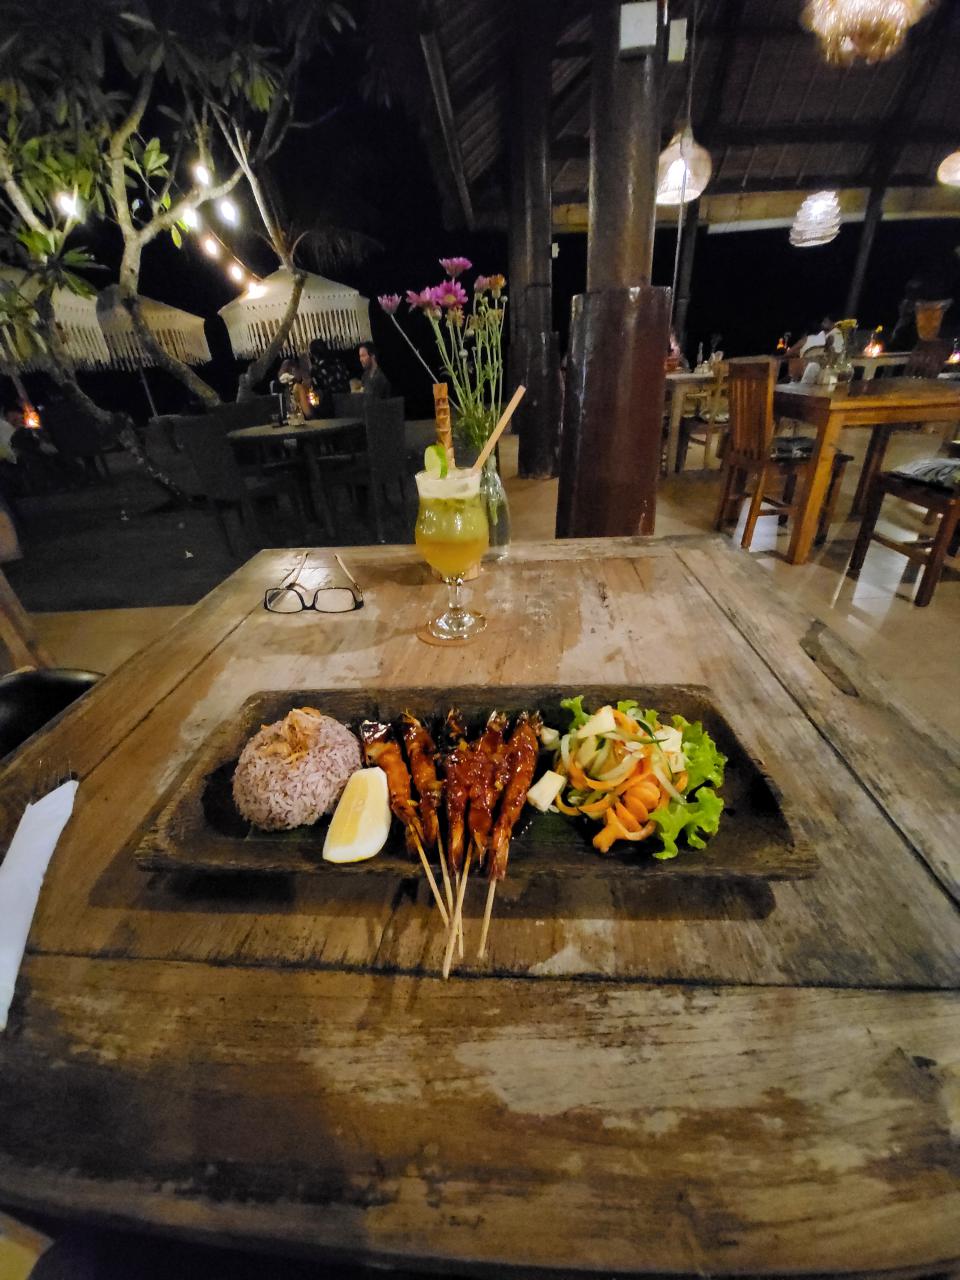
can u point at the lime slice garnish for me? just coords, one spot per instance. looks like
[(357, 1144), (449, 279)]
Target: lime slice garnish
[(435, 461)]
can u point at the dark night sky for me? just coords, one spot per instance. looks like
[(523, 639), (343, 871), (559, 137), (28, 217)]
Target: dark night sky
[(369, 165)]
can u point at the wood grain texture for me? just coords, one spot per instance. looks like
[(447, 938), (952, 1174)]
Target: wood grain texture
[(547, 1124), (749, 1081), (200, 829), (853, 709), (872, 916)]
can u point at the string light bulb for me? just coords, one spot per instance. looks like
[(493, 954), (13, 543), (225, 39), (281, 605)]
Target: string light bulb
[(255, 289), (191, 218), (211, 246), (235, 272), (202, 174), (68, 204), (228, 212)]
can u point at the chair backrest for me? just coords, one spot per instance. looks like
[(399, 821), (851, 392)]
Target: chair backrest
[(71, 432), (927, 358), (347, 404), (386, 444), (750, 391), (205, 442), (245, 413), (717, 392)]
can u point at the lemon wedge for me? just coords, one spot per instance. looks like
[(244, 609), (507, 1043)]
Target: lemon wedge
[(361, 821)]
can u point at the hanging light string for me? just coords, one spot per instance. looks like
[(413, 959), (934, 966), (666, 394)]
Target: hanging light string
[(213, 244), (691, 69)]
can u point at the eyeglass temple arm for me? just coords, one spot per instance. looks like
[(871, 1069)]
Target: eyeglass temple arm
[(348, 574)]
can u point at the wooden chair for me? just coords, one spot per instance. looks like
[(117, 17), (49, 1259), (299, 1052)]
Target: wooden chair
[(937, 501), (385, 462), (706, 425), (31, 696), (225, 486), (750, 455)]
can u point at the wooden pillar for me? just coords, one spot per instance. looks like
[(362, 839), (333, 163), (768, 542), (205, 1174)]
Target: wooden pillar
[(531, 231), (688, 250), (867, 236), (624, 150), (613, 411)]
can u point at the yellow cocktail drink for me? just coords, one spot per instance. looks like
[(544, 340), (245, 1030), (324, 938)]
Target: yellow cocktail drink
[(452, 531), (452, 535)]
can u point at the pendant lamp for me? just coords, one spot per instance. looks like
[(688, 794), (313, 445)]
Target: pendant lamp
[(684, 169), (870, 29), (817, 221), (949, 171)]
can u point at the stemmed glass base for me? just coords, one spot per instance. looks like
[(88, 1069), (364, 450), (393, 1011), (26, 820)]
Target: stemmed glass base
[(456, 623)]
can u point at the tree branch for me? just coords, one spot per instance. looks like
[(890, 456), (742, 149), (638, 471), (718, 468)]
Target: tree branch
[(256, 372), (118, 142), (148, 341), (196, 195), (16, 196)]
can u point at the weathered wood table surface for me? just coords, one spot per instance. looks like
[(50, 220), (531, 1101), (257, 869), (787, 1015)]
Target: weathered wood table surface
[(659, 1076), (881, 405)]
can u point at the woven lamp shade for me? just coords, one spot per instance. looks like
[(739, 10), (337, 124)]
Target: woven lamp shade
[(873, 30), (327, 310), (817, 221)]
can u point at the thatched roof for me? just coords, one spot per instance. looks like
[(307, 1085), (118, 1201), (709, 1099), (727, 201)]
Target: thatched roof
[(774, 115)]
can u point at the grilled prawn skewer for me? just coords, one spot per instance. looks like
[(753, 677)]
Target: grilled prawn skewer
[(381, 748), (422, 754), (461, 766), (521, 763), (490, 779)]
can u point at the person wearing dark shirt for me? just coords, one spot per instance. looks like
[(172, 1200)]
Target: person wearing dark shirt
[(330, 375), (373, 379)]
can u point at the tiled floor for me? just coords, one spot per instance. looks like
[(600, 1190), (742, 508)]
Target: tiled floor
[(915, 649)]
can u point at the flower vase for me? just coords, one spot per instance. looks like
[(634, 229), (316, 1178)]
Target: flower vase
[(498, 509)]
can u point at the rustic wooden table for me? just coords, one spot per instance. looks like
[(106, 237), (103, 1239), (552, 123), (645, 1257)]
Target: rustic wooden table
[(880, 404), (658, 1076)]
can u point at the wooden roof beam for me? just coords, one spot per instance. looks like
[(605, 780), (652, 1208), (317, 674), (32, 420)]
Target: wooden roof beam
[(433, 57)]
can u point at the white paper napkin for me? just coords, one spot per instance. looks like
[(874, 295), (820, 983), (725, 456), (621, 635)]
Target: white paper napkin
[(21, 875)]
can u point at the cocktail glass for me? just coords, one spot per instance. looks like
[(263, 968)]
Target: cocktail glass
[(452, 535)]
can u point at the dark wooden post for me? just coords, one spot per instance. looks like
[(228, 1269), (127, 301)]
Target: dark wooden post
[(688, 249), (613, 412), (868, 234), (624, 149), (531, 230)]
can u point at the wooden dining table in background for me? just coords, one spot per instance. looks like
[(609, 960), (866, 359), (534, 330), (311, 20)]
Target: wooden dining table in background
[(651, 1075), (881, 405), (680, 385)]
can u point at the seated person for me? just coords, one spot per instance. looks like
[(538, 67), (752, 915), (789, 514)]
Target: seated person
[(296, 391), (330, 375), (374, 380)]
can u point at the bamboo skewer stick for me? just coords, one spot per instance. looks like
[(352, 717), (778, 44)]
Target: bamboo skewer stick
[(457, 917), (499, 429), (445, 872), (431, 881), (487, 913)]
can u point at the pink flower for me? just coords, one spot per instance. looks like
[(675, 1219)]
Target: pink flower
[(390, 302), (455, 266), (449, 294), (481, 283), (423, 301)]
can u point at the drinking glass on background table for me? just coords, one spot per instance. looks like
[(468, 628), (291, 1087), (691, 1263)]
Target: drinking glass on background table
[(452, 535)]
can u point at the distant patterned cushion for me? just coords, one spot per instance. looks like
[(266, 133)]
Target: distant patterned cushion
[(789, 448), (942, 472)]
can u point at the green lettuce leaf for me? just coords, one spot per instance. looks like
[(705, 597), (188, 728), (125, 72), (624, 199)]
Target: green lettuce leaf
[(628, 707), (577, 714), (701, 814), (704, 762)]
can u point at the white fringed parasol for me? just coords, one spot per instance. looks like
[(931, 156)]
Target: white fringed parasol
[(179, 333), (327, 310), (77, 322)]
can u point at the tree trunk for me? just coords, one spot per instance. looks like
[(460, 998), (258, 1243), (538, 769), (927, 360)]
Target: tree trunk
[(256, 372)]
